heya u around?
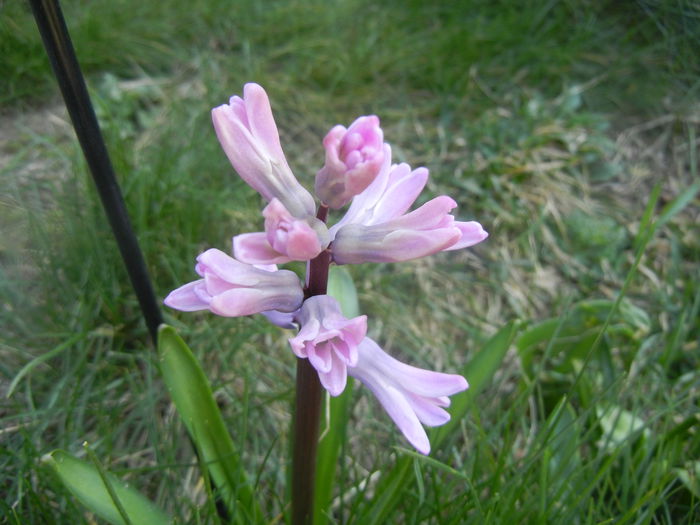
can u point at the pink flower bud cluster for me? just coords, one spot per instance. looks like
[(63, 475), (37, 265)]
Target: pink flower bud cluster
[(377, 227)]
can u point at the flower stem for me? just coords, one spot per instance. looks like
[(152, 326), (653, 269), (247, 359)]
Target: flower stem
[(307, 407), (306, 424)]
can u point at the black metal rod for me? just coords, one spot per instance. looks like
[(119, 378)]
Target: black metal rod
[(64, 62)]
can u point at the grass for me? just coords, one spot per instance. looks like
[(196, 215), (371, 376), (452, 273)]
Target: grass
[(552, 123)]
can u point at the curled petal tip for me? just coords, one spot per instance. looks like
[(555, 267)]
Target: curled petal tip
[(471, 233)]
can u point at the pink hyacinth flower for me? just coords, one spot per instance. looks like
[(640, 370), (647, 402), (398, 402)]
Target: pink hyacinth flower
[(424, 231), (354, 157), (328, 340), (247, 132), (231, 288), (286, 238), (410, 395), (390, 195)]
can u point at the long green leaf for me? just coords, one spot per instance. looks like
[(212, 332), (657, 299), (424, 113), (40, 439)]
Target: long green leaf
[(191, 393), (342, 288), (479, 372), (84, 481)]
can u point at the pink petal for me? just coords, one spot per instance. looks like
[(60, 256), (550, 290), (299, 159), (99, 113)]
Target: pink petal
[(186, 298), (429, 216), (422, 382), (320, 356), (241, 148), (355, 244), (247, 301), (472, 233), (308, 332), (427, 411), (401, 412), (281, 319), (354, 158), (336, 378), (227, 268), (254, 248), (261, 121), (403, 190), (405, 245)]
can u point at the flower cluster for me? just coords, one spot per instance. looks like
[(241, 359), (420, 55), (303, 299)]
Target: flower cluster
[(377, 227)]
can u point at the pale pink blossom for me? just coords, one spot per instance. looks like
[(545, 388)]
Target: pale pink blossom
[(389, 196), (247, 132), (298, 239), (286, 238), (328, 340), (375, 229), (424, 231), (354, 157), (410, 395), (231, 288)]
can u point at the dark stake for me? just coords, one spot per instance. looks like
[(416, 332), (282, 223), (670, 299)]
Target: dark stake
[(65, 65)]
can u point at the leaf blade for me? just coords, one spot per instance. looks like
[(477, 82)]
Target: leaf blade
[(193, 398), (84, 481)]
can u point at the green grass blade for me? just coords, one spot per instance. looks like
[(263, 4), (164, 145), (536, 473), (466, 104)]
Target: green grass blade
[(98, 492), (646, 228), (26, 369), (677, 205), (479, 372), (192, 395)]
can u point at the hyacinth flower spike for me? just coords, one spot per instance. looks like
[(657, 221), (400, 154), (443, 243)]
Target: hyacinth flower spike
[(248, 135), (377, 227), (231, 288), (410, 395)]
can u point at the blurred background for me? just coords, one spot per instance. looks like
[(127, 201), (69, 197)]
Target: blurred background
[(568, 128)]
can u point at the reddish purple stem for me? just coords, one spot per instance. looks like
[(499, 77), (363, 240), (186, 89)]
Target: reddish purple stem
[(307, 409)]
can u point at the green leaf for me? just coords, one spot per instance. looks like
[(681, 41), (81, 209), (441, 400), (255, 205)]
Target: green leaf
[(191, 393), (618, 425), (98, 493), (333, 436), (569, 338), (342, 288), (690, 475), (479, 372)]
